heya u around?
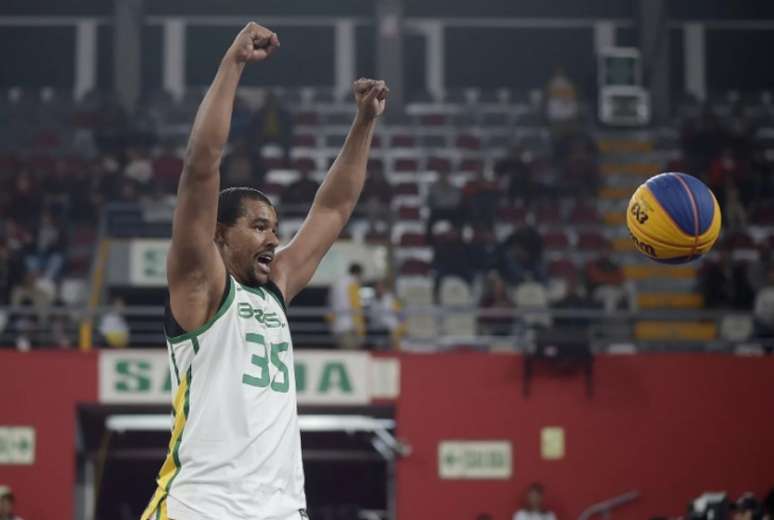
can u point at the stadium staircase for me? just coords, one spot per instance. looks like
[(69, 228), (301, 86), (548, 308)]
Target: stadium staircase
[(627, 160)]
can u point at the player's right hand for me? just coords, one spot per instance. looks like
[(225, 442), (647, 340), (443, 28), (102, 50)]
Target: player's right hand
[(253, 43)]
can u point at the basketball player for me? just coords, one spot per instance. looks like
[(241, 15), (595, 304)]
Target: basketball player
[(235, 449)]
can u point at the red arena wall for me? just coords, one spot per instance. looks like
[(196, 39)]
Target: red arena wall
[(669, 426), (42, 389)]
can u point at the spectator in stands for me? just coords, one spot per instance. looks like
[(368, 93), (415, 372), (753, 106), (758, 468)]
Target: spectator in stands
[(241, 167), (348, 322), (480, 197), (763, 306), (533, 508), (482, 250), (139, 167), (375, 199), (768, 505), (520, 257), (35, 291), (561, 102), (113, 326), (496, 296), (605, 280), (576, 297), (727, 172), (25, 201), (299, 194), (167, 167), (603, 270), (272, 123), (11, 270), (450, 254), (724, 284), (7, 503), (514, 175), (444, 200), (46, 255), (702, 138), (385, 321), (579, 164)]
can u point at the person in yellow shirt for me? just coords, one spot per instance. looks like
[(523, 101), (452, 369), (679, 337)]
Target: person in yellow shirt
[(348, 322)]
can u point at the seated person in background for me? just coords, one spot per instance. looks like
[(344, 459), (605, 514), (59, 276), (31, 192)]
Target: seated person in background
[(603, 270), (384, 317), (450, 254), (763, 308), (347, 320), (724, 284), (514, 175), (561, 100), (444, 201), (533, 508), (375, 199), (605, 280), (7, 502), (520, 258), (167, 168), (299, 194), (496, 296), (272, 123), (113, 326), (241, 167), (479, 200)]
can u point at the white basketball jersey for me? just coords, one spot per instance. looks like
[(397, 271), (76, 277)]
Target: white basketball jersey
[(235, 450)]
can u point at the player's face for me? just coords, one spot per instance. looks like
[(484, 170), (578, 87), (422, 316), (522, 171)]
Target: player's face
[(248, 245)]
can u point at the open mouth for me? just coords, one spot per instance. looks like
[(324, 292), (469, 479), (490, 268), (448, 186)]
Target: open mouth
[(265, 260)]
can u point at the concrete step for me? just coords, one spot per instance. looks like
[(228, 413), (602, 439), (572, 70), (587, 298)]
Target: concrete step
[(670, 300), (653, 330)]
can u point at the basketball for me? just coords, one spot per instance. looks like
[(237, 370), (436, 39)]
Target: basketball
[(673, 218)]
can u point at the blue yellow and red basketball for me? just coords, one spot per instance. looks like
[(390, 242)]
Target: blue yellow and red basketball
[(673, 218)]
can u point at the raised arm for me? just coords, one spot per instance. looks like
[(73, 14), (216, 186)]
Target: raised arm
[(336, 198), (195, 271)]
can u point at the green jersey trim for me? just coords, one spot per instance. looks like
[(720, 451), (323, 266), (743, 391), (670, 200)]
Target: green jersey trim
[(221, 311)]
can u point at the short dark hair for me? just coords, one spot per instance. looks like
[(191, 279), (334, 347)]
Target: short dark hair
[(230, 203), (9, 497), (536, 486), (355, 269)]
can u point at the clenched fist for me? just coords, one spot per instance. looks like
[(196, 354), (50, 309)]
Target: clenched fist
[(253, 43), (370, 95)]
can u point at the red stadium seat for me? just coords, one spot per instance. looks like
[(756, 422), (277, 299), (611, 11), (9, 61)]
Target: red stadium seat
[(377, 235), (273, 163), (272, 188), (548, 215), (563, 269), (408, 213), (307, 118), (584, 214), (468, 142), (303, 164), (439, 164), (406, 165), (738, 240), (305, 140), (415, 267), (471, 165), (511, 214), (433, 120), (555, 240), (407, 188), (403, 141), (413, 239), (375, 165), (593, 241)]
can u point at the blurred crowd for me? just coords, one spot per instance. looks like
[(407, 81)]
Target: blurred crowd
[(728, 148)]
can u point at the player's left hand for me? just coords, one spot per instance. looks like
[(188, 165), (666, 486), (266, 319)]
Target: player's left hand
[(371, 96)]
